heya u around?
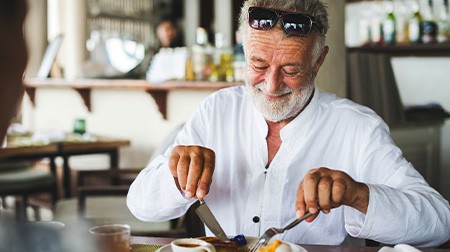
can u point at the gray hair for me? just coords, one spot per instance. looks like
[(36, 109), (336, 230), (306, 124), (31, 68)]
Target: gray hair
[(314, 8)]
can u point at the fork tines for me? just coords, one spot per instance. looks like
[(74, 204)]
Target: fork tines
[(260, 243)]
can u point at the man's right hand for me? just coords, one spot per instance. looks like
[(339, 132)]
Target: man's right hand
[(193, 168)]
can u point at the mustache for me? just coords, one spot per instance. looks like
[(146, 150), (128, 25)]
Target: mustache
[(285, 90)]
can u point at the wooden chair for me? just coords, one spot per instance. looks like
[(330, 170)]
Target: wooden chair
[(22, 179)]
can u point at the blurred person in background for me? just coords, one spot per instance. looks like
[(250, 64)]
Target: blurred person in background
[(13, 59), (168, 33)]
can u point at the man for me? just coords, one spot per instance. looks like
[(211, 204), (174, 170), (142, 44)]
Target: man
[(268, 152), (167, 33)]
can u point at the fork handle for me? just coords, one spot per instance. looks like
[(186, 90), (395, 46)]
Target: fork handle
[(297, 221)]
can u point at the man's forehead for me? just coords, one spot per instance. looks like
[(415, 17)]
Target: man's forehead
[(277, 40)]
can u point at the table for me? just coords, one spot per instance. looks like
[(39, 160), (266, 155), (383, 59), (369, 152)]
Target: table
[(315, 248), (66, 149)]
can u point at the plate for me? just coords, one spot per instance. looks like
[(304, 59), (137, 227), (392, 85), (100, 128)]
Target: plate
[(250, 240)]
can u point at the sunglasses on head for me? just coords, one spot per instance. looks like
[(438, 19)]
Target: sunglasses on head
[(293, 23)]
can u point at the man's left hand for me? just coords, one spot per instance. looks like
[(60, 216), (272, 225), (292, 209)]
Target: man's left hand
[(326, 189)]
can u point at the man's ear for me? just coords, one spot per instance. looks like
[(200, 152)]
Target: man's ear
[(320, 60)]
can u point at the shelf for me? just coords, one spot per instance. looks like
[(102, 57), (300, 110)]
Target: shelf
[(432, 50), (157, 91)]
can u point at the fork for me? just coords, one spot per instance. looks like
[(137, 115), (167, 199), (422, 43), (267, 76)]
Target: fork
[(271, 232)]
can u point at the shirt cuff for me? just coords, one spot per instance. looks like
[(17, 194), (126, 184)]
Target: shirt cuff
[(356, 222)]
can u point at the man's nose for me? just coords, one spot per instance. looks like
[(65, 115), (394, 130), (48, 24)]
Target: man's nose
[(273, 81)]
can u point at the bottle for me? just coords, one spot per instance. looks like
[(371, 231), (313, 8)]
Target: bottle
[(389, 25), (189, 68), (202, 56), (428, 27), (223, 59), (440, 17), (401, 22), (239, 59), (414, 25)]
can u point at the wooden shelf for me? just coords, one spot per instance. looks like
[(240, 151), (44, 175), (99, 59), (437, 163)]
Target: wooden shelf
[(432, 50), (157, 91)]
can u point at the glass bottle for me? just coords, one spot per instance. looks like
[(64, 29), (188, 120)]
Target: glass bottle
[(189, 68), (202, 56), (414, 24), (401, 22), (440, 17), (389, 25), (223, 59)]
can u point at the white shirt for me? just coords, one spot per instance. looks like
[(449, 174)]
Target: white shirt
[(330, 132)]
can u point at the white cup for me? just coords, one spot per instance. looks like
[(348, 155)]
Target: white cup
[(191, 245)]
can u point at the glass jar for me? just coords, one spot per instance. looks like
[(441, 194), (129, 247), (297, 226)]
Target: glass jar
[(428, 31)]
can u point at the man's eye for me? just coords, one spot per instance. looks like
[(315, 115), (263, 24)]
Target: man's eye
[(259, 68), (290, 73)]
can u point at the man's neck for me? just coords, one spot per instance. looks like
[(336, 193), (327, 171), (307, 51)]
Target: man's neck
[(273, 138)]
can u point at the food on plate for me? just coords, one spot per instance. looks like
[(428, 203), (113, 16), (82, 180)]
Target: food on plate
[(276, 246), (236, 244)]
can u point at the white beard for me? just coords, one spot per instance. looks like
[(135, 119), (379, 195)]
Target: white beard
[(280, 109)]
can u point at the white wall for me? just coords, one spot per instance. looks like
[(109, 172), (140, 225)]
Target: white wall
[(332, 75), (129, 114), (36, 34)]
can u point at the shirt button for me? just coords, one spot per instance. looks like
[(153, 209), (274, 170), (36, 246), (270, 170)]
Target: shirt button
[(256, 219)]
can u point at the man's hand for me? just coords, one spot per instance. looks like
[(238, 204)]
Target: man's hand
[(327, 189), (192, 167)]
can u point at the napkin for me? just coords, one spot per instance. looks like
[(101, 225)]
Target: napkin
[(399, 248)]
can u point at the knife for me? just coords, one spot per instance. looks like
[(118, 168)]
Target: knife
[(210, 221)]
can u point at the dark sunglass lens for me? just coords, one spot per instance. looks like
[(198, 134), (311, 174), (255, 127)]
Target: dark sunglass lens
[(297, 24), (262, 19)]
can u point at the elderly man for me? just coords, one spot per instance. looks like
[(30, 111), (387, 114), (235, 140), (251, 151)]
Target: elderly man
[(268, 152)]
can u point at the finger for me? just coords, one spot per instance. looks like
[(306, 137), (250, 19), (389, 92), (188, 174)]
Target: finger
[(182, 171), (310, 184), (194, 174), (324, 193), (207, 174), (338, 192), (173, 162), (300, 205)]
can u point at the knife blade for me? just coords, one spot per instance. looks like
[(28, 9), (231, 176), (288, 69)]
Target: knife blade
[(210, 221)]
